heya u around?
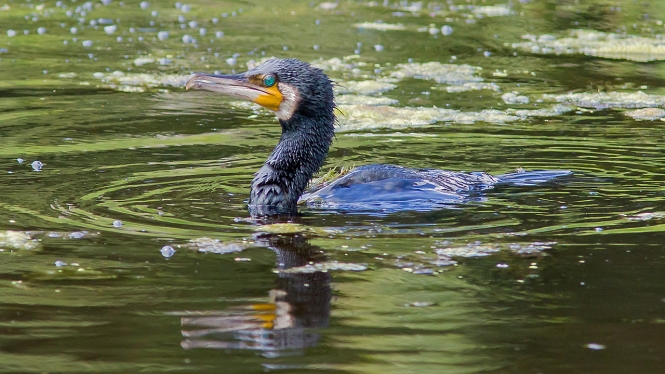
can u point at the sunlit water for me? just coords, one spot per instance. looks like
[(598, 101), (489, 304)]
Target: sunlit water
[(131, 249)]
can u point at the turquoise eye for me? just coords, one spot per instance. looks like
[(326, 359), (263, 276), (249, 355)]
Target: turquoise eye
[(269, 80)]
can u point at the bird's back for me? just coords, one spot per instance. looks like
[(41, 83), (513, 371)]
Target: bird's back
[(390, 187)]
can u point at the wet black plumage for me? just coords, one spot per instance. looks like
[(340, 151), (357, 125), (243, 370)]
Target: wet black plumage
[(305, 140)]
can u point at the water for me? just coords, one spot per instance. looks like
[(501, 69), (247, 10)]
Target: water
[(131, 249)]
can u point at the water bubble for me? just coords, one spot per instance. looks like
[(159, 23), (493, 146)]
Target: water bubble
[(117, 223), (144, 5), (185, 8), (215, 20), (446, 30), (187, 39), (487, 53), (219, 34), (106, 2), (181, 19), (110, 29), (502, 266), (433, 31), (595, 346), (202, 31), (163, 35), (132, 30), (73, 30), (167, 251), (41, 30), (118, 39), (77, 235), (20, 160), (599, 229), (87, 43), (11, 33), (193, 24), (37, 165), (178, 5), (60, 263), (93, 22), (378, 47), (316, 47), (231, 61)]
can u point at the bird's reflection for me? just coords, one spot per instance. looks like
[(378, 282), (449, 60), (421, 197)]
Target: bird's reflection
[(299, 303)]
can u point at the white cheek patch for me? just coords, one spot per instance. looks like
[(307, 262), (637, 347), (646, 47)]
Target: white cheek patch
[(289, 102)]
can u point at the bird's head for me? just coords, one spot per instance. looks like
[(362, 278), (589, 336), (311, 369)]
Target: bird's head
[(284, 86)]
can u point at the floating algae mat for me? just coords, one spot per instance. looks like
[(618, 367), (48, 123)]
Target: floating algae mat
[(17, 241), (604, 100), (596, 43)]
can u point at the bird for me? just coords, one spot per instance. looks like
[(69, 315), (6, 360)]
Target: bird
[(302, 98)]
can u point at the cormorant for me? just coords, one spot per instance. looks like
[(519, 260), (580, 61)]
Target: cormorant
[(301, 96)]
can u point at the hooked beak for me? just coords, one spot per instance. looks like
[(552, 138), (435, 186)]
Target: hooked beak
[(237, 86)]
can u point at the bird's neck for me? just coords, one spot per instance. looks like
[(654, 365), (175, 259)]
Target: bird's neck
[(300, 153)]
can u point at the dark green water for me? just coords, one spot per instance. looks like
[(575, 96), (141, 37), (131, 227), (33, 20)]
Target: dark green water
[(570, 279)]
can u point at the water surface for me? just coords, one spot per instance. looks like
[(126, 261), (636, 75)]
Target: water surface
[(131, 249)]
